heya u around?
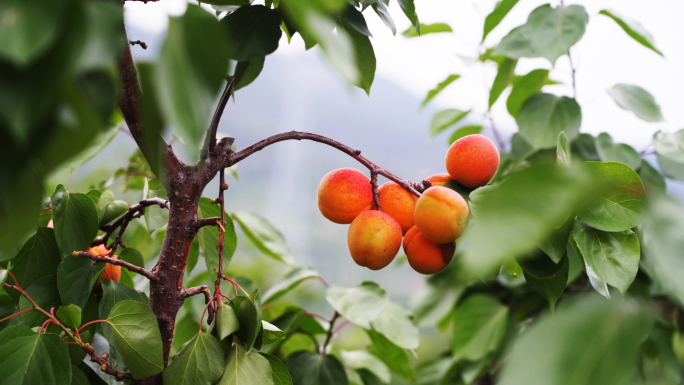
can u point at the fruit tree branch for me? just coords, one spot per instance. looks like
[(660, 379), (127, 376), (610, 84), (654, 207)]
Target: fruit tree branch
[(133, 212), (101, 258), (104, 365), (416, 188)]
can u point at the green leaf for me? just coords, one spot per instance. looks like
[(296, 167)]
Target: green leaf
[(95, 146), (38, 258), (613, 256), (307, 368), (663, 229), (512, 267), (551, 287), (427, 28), (654, 182), (106, 197), (521, 212), (396, 323), (445, 119), (380, 8), (464, 131), (662, 337), (70, 315), (271, 333), (199, 362), (156, 218), (554, 350), (44, 293), (264, 236), (633, 28), (364, 56), (193, 63), (500, 11), (439, 88), (669, 148), (247, 71), (524, 87), (617, 152), (30, 358), (193, 256), (280, 375), (103, 37), (479, 325), (132, 256), (393, 356), (76, 277), (245, 367), (253, 31), (620, 206), (227, 322), (78, 377), (410, 11), (113, 293), (554, 246), (543, 116), (136, 334), (638, 100), (361, 359), (563, 152), (360, 304), (249, 319), (208, 237), (548, 33), (291, 280), (114, 211), (503, 78), (353, 18), (29, 29), (75, 220)]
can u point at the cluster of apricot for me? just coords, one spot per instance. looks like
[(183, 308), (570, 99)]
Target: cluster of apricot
[(429, 225)]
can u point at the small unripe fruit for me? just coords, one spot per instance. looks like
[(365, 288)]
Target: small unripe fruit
[(399, 203), (343, 194), (441, 214), (374, 239), (472, 160), (425, 256), (439, 179)]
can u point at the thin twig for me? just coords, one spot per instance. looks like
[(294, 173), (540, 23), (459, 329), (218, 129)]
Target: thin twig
[(330, 332), (101, 258), (142, 44), (203, 289), (374, 189), (15, 314), (132, 212), (572, 69)]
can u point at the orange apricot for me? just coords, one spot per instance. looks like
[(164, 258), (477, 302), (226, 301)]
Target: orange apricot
[(439, 179), (425, 256), (374, 239), (472, 160), (399, 203), (441, 214), (112, 272), (343, 194)]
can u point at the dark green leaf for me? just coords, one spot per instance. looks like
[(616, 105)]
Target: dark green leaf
[(208, 237), (199, 362), (479, 325), (543, 116), (70, 315), (113, 293), (670, 150), (445, 119), (245, 367), (393, 356), (633, 28), (654, 182), (264, 236), (271, 333), (136, 334), (503, 78), (76, 277), (441, 86), (132, 256), (396, 323), (617, 152), (554, 246), (44, 293), (551, 288), (360, 304), (75, 221), (114, 211), (193, 256), (226, 322), (620, 206), (380, 8), (279, 372), (253, 31), (155, 218), (39, 257), (500, 11), (247, 71), (524, 87), (248, 318), (78, 377), (101, 203), (410, 11), (464, 131), (354, 18), (584, 147), (638, 100), (291, 280), (30, 358), (307, 368), (364, 56), (427, 28), (549, 33)]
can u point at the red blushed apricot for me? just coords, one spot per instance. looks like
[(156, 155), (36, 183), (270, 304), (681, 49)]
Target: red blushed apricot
[(399, 203), (472, 160), (439, 179), (112, 272), (425, 256), (374, 239), (441, 214), (343, 194)]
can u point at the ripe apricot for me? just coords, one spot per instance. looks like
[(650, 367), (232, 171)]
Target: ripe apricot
[(399, 203), (425, 256), (343, 194), (374, 239), (439, 179), (112, 272), (472, 160), (441, 214)]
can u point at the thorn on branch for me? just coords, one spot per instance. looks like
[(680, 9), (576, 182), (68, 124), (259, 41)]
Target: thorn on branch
[(101, 258), (142, 44)]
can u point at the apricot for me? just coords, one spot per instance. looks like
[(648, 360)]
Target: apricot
[(374, 239), (425, 256), (343, 194), (441, 214), (399, 203), (440, 179), (112, 272), (472, 160)]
